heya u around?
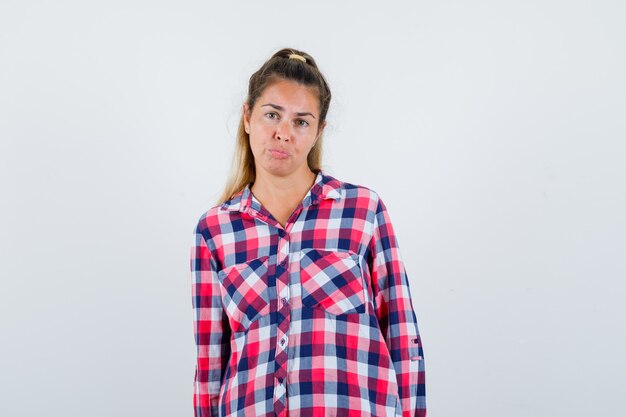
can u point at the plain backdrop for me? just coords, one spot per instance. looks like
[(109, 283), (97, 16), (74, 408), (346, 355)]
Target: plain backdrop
[(493, 130)]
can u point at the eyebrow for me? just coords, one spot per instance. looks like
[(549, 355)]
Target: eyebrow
[(277, 107)]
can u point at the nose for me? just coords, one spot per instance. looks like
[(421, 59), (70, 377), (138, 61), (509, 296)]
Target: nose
[(282, 130)]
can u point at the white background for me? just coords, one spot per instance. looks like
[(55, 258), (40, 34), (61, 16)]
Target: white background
[(493, 130)]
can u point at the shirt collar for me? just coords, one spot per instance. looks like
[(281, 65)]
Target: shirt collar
[(325, 187)]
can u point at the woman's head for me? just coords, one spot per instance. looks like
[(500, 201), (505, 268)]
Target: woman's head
[(287, 64), (288, 70)]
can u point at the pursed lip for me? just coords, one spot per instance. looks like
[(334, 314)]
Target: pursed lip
[(279, 151)]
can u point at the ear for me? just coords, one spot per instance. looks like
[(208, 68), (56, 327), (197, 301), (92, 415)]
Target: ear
[(246, 118), (320, 131)]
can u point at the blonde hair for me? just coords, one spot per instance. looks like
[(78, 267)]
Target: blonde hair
[(278, 67)]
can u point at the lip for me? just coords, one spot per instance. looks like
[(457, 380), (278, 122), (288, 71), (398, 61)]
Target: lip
[(277, 153)]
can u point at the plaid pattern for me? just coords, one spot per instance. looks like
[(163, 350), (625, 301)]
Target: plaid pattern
[(314, 319)]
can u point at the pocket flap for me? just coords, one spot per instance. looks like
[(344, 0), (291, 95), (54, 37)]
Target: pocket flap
[(332, 281)]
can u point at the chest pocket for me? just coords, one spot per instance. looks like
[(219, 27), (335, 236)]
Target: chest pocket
[(245, 292), (331, 281)]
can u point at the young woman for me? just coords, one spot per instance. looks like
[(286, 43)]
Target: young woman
[(301, 299)]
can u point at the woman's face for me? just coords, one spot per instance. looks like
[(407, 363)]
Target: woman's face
[(283, 127)]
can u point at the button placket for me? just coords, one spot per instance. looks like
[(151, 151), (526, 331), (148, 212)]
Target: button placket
[(283, 251), (284, 312)]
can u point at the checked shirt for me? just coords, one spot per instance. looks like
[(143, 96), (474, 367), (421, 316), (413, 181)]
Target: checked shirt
[(313, 319)]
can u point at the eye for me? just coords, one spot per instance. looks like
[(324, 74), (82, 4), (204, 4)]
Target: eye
[(302, 122), (270, 114)]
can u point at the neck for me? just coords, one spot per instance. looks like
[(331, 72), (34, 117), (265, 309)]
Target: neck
[(274, 188)]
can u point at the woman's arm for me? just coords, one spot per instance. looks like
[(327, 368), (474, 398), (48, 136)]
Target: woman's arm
[(211, 329), (396, 315)]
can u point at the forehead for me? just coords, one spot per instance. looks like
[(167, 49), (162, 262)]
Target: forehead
[(291, 95)]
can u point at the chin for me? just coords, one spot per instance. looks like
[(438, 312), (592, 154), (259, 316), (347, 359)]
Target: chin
[(278, 169)]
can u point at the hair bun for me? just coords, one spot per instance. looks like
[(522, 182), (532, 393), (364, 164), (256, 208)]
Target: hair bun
[(296, 56)]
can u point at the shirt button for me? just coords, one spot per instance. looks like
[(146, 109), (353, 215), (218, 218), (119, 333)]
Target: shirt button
[(280, 380), (284, 300), (284, 262), (281, 232)]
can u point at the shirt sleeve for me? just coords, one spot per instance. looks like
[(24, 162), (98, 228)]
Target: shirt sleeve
[(396, 315), (211, 329)]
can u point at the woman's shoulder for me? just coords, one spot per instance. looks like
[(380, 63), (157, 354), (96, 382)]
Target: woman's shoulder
[(207, 220), (354, 190), (213, 217)]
